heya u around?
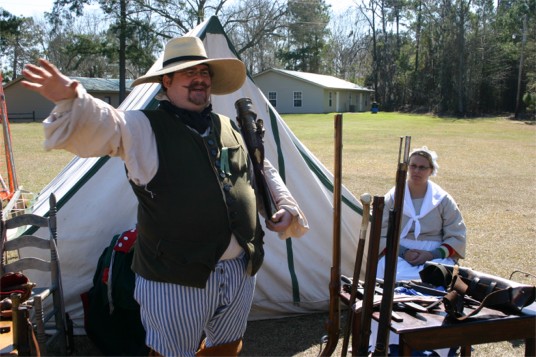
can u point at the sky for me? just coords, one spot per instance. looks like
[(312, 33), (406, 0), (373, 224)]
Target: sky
[(30, 8)]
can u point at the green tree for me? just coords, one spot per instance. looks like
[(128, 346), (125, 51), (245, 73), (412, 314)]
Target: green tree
[(257, 31), (80, 49), (127, 21), (347, 54), (19, 40), (256, 26), (307, 32)]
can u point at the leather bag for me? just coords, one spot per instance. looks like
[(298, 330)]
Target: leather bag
[(491, 291)]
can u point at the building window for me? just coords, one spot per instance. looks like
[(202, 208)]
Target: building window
[(108, 99), (272, 98), (297, 99), (330, 99)]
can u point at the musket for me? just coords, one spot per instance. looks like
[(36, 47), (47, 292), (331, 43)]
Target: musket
[(369, 288), (391, 255), (366, 199), (333, 324), (252, 130)]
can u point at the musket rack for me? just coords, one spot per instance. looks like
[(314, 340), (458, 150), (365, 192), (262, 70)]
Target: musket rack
[(368, 287)]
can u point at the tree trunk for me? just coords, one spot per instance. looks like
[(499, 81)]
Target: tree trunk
[(122, 52), (461, 57)]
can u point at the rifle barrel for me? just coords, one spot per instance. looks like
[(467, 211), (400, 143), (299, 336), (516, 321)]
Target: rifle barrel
[(391, 256)]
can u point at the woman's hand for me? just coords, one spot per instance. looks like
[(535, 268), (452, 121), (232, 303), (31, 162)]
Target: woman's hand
[(417, 257), (280, 221), (48, 81)]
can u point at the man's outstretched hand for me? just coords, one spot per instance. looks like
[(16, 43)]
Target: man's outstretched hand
[(48, 81)]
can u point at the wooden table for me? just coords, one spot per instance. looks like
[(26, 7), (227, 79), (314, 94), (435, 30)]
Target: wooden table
[(6, 340), (431, 330), (428, 331), (19, 330)]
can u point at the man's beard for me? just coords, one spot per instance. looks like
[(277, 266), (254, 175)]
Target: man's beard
[(197, 93)]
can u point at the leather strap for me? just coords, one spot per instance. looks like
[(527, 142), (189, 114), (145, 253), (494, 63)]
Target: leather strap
[(35, 344)]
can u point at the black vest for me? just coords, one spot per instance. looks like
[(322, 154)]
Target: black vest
[(200, 194)]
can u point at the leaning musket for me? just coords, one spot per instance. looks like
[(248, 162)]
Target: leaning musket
[(333, 324), (360, 341), (366, 200), (391, 255)]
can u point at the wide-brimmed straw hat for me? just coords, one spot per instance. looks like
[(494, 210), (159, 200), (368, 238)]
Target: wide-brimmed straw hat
[(228, 74)]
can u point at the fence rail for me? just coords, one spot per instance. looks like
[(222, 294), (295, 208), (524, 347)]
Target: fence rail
[(30, 116)]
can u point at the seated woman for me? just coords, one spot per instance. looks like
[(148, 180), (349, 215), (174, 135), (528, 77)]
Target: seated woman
[(432, 227)]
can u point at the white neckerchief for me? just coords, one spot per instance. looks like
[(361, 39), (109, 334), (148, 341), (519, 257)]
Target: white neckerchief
[(434, 195)]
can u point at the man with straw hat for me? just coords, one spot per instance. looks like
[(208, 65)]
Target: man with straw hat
[(199, 241)]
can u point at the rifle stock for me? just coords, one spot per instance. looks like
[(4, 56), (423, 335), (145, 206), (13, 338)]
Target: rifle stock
[(333, 324), (252, 130)]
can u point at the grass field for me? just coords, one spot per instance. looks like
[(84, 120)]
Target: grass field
[(488, 165)]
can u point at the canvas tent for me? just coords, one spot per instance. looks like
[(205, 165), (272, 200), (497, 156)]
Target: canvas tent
[(95, 202)]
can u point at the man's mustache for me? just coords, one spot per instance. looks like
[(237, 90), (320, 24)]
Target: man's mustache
[(196, 85)]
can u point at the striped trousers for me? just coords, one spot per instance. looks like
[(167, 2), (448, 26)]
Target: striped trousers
[(175, 317)]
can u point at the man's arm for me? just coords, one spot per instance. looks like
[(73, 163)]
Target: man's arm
[(89, 127), (290, 221)]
